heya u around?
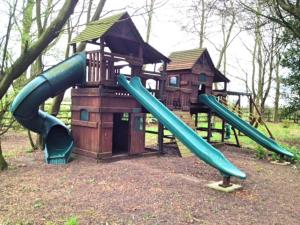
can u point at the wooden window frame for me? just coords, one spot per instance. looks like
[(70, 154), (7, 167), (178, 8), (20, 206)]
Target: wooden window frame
[(178, 81)]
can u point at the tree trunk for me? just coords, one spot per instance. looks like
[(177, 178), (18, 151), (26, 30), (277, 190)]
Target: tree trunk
[(7, 37), (260, 64), (277, 90), (254, 71), (149, 22), (202, 25), (3, 163), (226, 38)]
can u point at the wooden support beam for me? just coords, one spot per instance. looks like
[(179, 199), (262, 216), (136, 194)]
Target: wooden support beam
[(160, 126), (160, 138), (239, 110), (223, 131), (236, 137), (209, 131), (261, 119)]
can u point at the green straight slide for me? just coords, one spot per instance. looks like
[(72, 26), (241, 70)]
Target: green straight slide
[(242, 125), (183, 132), (25, 107)]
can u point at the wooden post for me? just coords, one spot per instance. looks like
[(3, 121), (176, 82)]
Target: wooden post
[(209, 133), (160, 139), (74, 48), (223, 131), (161, 96), (239, 110), (102, 61), (236, 138), (226, 182), (262, 121)]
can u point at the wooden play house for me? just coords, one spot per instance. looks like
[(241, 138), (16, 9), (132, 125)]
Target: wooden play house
[(190, 73), (106, 120)]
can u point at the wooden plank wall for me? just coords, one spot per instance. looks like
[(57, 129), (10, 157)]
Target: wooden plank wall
[(93, 138)]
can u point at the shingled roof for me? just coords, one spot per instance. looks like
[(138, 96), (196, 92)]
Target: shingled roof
[(183, 60), (97, 29), (103, 28)]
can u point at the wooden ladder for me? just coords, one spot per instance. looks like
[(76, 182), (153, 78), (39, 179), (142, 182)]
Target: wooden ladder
[(186, 118)]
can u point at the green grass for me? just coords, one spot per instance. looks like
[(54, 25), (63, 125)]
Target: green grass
[(72, 221), (285, 133)]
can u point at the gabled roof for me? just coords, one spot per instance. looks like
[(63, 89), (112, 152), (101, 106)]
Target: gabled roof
[(187, 59), (108, 29), (97, 29), (151, 55), (220, 77), (183, 60)]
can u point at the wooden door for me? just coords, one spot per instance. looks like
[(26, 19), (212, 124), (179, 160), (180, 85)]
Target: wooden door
[(137, 133)]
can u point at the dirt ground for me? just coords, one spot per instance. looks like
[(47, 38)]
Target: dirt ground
[(149, 190)]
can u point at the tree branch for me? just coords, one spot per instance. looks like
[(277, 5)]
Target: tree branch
[(28, 57)]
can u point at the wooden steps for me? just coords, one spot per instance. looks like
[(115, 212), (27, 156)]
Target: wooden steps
[(186, 118)]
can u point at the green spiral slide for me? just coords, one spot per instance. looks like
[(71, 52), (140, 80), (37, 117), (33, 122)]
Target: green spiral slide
[(242, 125), (25, 107), (183, 132)]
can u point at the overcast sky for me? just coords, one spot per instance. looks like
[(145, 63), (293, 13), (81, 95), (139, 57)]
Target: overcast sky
[(167, 36)]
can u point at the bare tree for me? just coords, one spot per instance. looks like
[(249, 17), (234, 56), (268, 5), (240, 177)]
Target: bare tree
[(277, 89), (58, 99), (150, 10), (228, 16), (32, 51), (198, 14), (281, 12)]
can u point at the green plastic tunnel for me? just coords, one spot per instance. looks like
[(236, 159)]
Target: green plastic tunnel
[(25, 107)]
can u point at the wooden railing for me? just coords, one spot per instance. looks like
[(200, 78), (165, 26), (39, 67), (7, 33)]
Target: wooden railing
[(151, 75), (93, 75), (100, 68)]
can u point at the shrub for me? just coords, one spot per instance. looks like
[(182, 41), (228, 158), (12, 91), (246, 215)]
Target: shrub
[(296, 153), (260, 152), (71, 221), (275, 156), (286, 124)]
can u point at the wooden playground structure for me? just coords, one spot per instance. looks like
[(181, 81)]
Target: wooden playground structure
[(113, 123)]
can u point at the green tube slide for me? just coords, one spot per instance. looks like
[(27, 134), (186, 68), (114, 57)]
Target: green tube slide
[(183, 132), (242, 125), (25, 107)]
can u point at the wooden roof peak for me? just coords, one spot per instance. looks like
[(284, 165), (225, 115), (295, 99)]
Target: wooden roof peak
[(98, 28), (108, 29), (185, 59)]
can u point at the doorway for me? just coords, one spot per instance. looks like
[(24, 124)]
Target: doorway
[(121, 127), (202, 89)]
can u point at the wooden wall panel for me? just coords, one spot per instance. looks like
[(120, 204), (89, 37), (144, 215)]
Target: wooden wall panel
[(137, 137), (94, 137), (105, 134)]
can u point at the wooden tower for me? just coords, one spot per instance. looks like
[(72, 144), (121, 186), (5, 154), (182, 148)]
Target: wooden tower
[(106, 120), (191, 73)]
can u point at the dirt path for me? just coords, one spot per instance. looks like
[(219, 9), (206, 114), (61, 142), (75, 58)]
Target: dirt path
[(152, 190)]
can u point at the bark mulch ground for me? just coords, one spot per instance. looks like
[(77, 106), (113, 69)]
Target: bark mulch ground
[(149, 190)]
